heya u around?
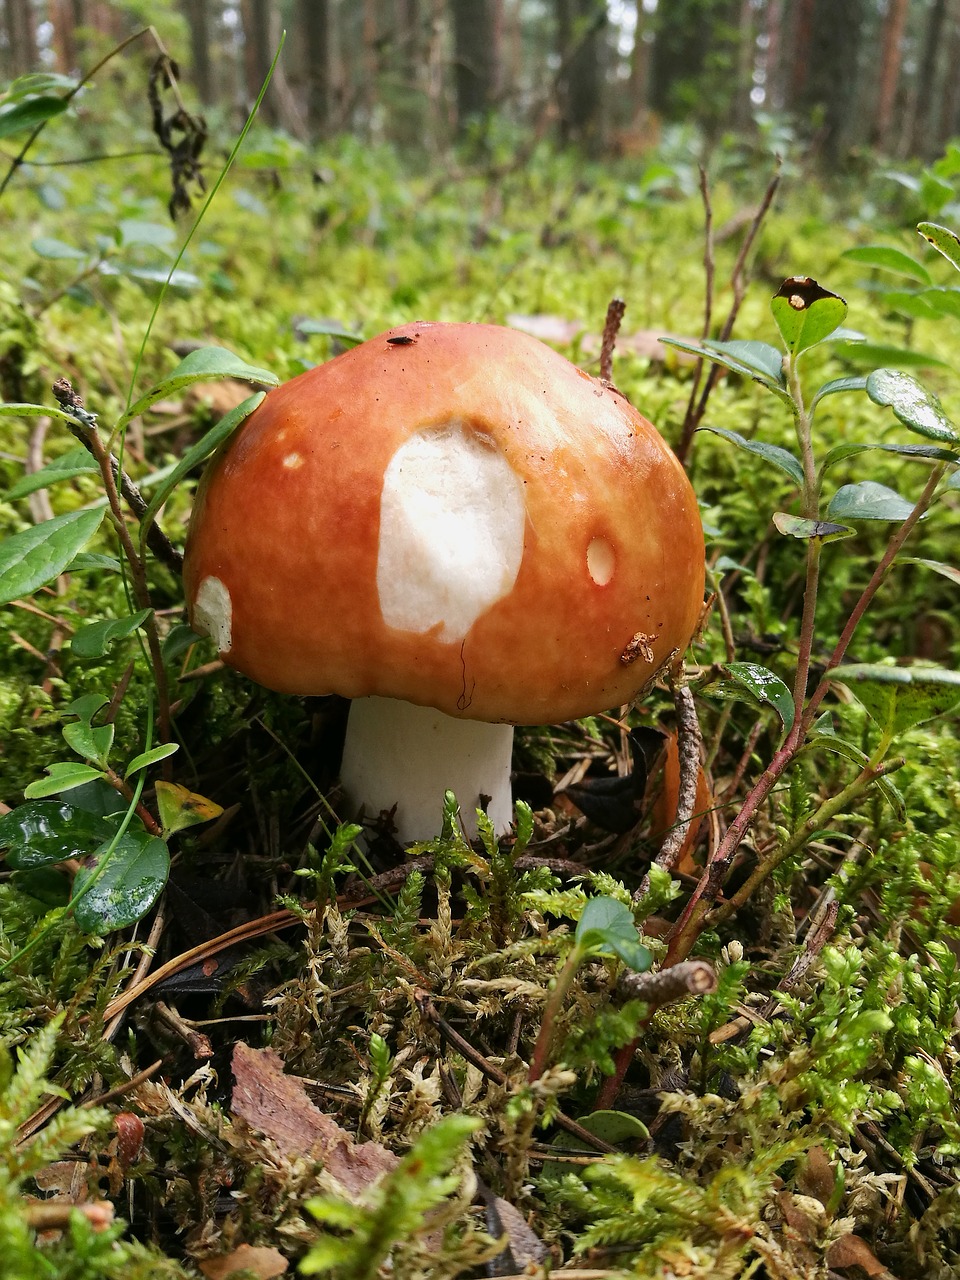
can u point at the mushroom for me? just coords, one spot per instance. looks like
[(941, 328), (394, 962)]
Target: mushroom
[(461, 531)]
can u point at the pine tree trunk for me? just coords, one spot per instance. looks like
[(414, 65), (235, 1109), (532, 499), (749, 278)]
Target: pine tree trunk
[(21, 37), (580, 30), (830, 89), (476, 58), (315, 33), (890, 58), (197, 14), (922, 102)]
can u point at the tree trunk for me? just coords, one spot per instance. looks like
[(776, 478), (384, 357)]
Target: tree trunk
[(580, 31), (63, 18), (695, 60), (476, 58), (639, 65), (890, 58), (830, 89), (950, 101), (197, 14), (258, 54), (21, 37), (922, 126), (315, 32)]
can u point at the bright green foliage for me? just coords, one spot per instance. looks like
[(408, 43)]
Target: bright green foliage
[(393, 1217)]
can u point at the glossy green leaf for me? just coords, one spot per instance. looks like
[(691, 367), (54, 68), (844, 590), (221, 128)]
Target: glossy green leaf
[(806, 313), (885, 258), (781, 458), (63, 776), (943, 240), (76, 462), (757, 357), (195, 455), (915, 406), (26, 115), (945, 570), (205, 365), (41, 832), (125, 889), (36, 556), (868, 501), (899, 698), (94, 638), (758, 685), (147, 758), (93, 562), (86, 706), (607, 927), (800, 527)]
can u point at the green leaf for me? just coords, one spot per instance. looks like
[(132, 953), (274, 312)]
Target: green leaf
[(195, 455), (878, 353), (50, 247), (868, 501), (800, 527), (28, 114), (607, 927), (147, 758), (758, 685), (159, 235), (118, 894), (86, 706), (884, 258), (204, 365), (63, 776), (926, 452), (759, 366), (915, 406), (854, 383), (94, 638), (93, 562), (180, 808), (899, 698), (77, 462), (886, 786), (34, 557), (781, 458), (943, 240), (945, 570), (328, 328), (41, 832), (806, 313), (757, 357), (89, 741), (943, 301)]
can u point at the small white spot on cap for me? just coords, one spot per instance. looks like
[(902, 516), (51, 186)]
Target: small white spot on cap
[(293, 461), (601, 561), (213, 613)]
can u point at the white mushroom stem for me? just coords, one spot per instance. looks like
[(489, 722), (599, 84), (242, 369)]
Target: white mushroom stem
[(408, 756)]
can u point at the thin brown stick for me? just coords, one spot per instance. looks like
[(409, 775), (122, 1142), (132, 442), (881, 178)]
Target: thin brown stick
[(689, 742), (611, 328), (690, 978)]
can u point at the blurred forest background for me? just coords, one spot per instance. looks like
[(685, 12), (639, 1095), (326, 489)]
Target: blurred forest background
[(606, 74)]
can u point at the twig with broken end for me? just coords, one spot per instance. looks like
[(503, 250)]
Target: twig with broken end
[(688, 746), (690, 978)]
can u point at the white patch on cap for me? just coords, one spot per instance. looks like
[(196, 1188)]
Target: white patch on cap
[(601, 561), (293, 461), (213, 613), (451, 531)]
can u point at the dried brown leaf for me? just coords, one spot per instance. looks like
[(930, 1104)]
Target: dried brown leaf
[(262, 1262), (278, 1106), (851, 1251)]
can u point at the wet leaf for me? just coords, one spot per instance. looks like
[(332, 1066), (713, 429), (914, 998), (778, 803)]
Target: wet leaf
[(868, 501), (756, 684), (41, 832), (90, 742), (856, 382), (147, 758), (128, 886), (915, 406)]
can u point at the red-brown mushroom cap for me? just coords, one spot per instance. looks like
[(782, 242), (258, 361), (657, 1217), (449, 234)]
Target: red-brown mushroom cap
[(600, 577)]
